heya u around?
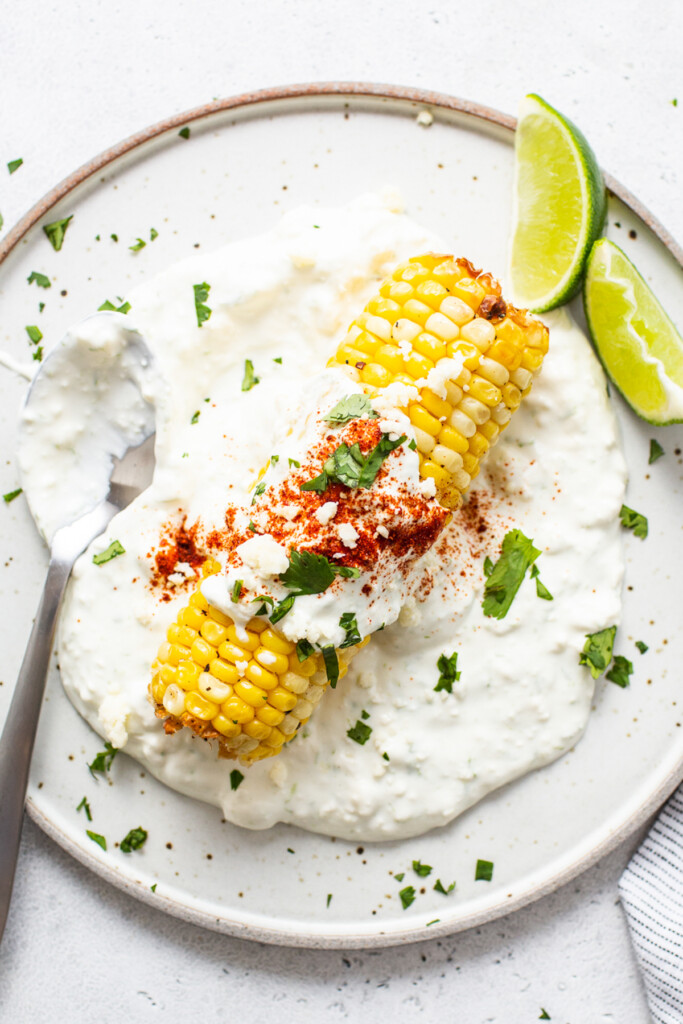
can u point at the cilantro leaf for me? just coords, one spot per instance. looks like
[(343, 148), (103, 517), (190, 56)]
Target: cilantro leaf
[(352, 407), (656, 451), (195, 419), (422, 869), (642, 646), (11, 495), (541, 590), (102, 761), (294, 463), (41, 279), (97, 838), (258, 491), (114, 549), (184, 133), (201, 294), (332, 666), (399, 878), (488, 566), (359, 733), (448, 672), (249, 380), (407, 896), (14, 165), (349, 624), (544, 1015), (317, 483), (153, 233), (138, 244), (107, 305), (86, 807), (136, 838), (620, 671), (439, 887), (348, 466), (56, 231), (236, 779), (483, 871), (365, 715), (34, 333), (236, 591), (631, 520), (38, 354), (281, 608), (517, 555), (307, 573), (304, 649), (597, 650), (329, 899), (375, 458)]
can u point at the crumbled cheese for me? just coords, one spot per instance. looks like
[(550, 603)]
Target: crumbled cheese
[(395, 396), (176, 579), (410, 614), (241, 667), (348, 535), (288, 512), (113, 714), (278, 773), (186, 569), (367, 680), (406, 349), (326, 512), (445, 370), (382, 531), (425, 118), (264, 554), (428, 487)]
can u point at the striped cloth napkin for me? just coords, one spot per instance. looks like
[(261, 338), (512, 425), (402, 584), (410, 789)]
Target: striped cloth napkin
[(651, 890)]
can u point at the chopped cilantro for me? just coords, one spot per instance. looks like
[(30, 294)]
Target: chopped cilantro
[(439, 887), (153, 233), (11, 495), (278, 359), (86, 807), (236, 779), (304, 649), (114, 549), (349, 624), (407, 896), (541, 590), (251, 526), (674, 102), (348, 466), (630, 519), (14, 165), (422, 869), (97, 838), (399, 878), (38, 354), (331, 666), (620, 671), (102, 761), (517, 555), (642, 646), (249, 380), (434, 920), (488, 566), (136, 838), (412, 445), (263, 610), (386, 756), (41, 307), (114, 237), (483, 871), (41, 279), (365, 715), (107, 305), (360, 732), (236, 591), (597, 650), (258, 491), (294, 463), (448, 672), (329, 899), (195, 418), (309, 573), (656, 451), (544, 1015), (274, 459), (34, 333), (282, 608), (201, 294), (184, 133), (138, 244), (56, 231), (154, 887), (352, 407)]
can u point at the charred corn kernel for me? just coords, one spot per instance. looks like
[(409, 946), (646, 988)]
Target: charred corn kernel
[(250, 693), (260, 676), (257, 730), (456, 310), (277, 663), (376, 375), (282, 699), (508, 330), (430, 346), (237, 710), (200, 707), (480, 332), (470, 291), (224, 671), (435, 405), (213, 689), (213, 632), (453, 438), (484, 391), (226, 726), (174, 700), (419, 417), (270, 715)]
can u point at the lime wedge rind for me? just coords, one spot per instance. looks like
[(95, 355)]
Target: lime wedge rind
[(548, 250), (626, 321)]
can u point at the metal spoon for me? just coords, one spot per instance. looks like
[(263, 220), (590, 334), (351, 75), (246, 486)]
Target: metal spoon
[(129, 477)]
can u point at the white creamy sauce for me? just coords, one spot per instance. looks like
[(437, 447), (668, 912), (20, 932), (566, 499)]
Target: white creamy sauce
[(522, 699)]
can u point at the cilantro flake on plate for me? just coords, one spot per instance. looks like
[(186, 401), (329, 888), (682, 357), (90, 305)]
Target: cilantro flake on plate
[(422, 869), (448, 672), (56, 231), (136, 838), (42, 280), (11, 495), (97, 838), (236, 779), (360, 733), (407, 896), (14, 165), (597, 650), (115, 548), (103, 760), (517, 555), (656, 451), (620, 672), (632, 520), (483, 871)]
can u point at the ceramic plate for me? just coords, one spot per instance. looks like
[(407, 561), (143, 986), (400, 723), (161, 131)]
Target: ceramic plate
[(246, 161)]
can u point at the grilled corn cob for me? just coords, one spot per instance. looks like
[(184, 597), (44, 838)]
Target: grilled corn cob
[(247, 687), (437, 307)]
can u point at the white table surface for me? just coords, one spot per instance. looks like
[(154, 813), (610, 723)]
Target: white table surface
[(79, 76)]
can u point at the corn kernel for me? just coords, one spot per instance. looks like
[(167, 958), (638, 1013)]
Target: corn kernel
[(461, 422), (430, 346), (456, 310), (494, 372), (226, 726), (389, 356), (431, 292), (202, 652), (282, 700), (174, 700), (260, 676), (419, 417), (168, 674), (400, 291), (404, 330), (237, 710), (452, 438), (478, 445), (198, 601), (200, 707), (213, 688), (446, 457), (424, 441), (532, 360), (480, 332), (275, 740), (417, 365), (224, 671), (470, 291), (476, 410), (490, 430), (277, 663), (435, 405), (181, 635), (484, 391), (512, 396), (270, 715), (213, 632), (376, 375), (250, 693), (257, 730)]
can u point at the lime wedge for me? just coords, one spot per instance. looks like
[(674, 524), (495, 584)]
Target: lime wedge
[(559, 207), (638, 344)]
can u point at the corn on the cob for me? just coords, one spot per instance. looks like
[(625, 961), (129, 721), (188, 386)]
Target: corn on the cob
[(436, 307), (247, 688)]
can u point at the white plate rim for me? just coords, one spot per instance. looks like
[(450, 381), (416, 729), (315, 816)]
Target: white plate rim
[(401, 96)]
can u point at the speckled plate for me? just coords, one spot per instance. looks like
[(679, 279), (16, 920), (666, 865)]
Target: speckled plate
[(247, 160)]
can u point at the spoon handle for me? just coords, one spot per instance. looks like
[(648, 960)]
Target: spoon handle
[(16, 743)]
